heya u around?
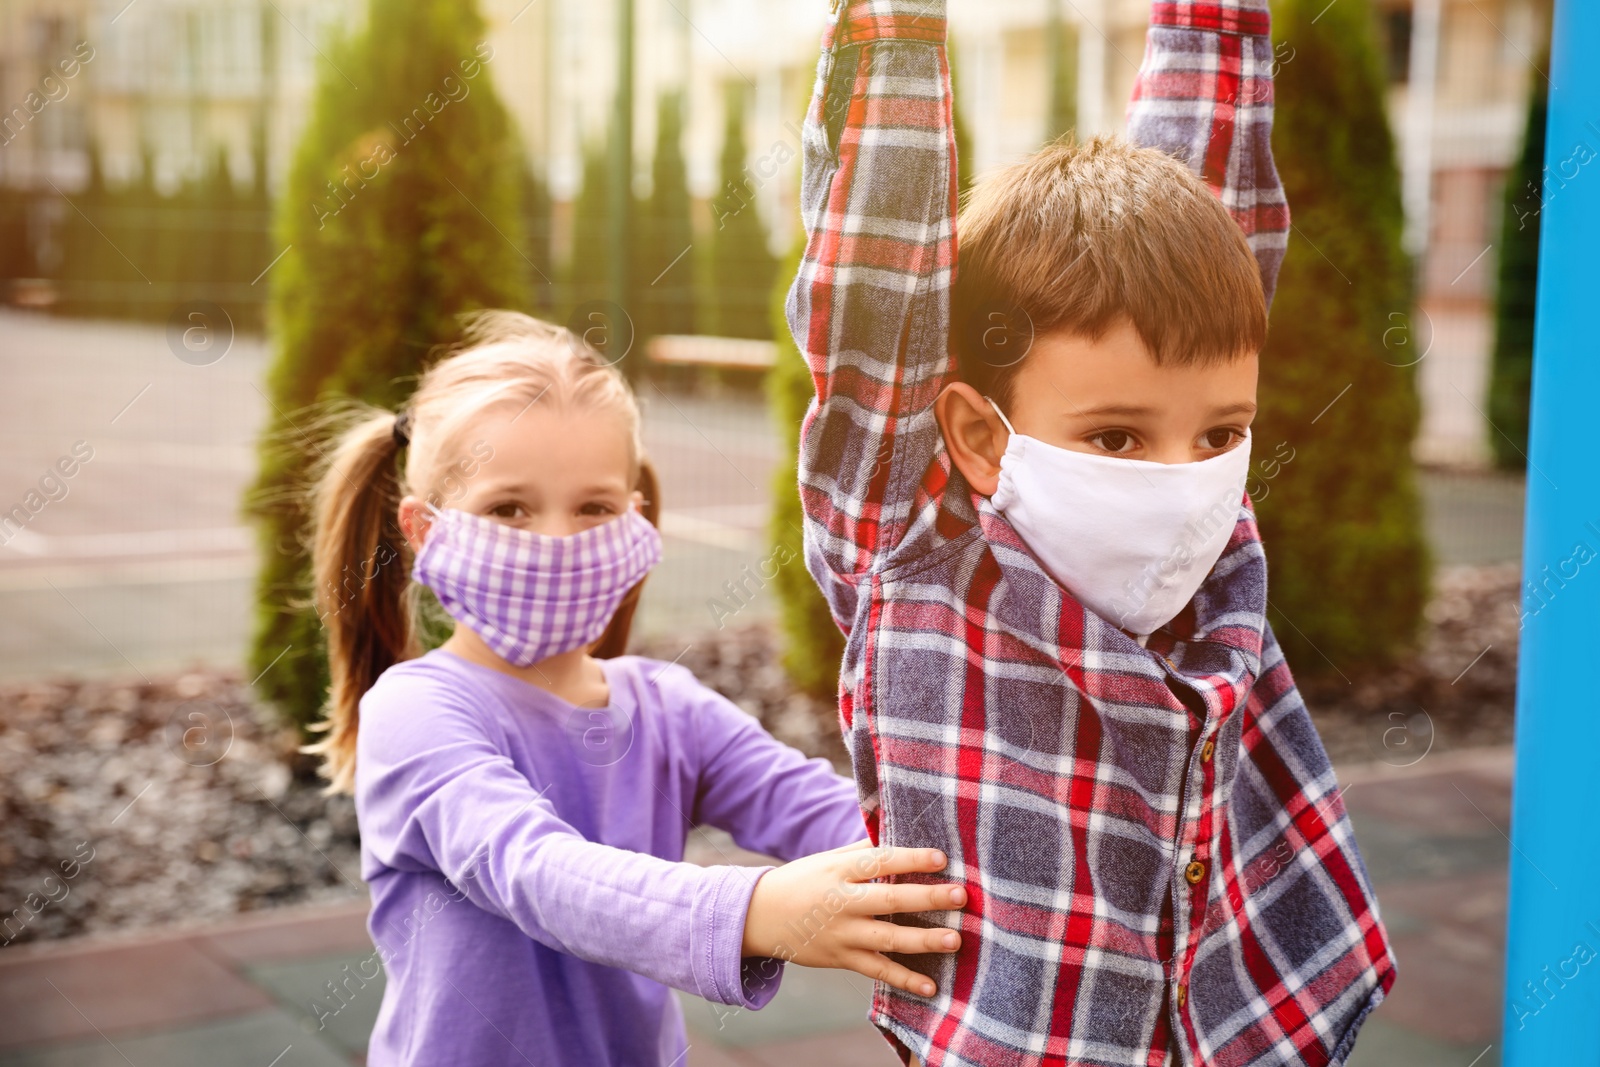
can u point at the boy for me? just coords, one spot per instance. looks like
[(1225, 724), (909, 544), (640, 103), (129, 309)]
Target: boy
[(1024, 492)]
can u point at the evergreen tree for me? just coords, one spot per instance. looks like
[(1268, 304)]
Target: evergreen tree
[(588, 269), (536, 219), (1511, 367), (1061, 67), (742, 267), (171, 263), (401, 211), (16, 250), (1333, 479), (958, 120), (133, 226), (253, 249), (217, 229), (588, 274), (665, 273), (85, 255), (813, 644)]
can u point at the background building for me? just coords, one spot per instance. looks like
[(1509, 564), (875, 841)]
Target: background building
[(183, 78)]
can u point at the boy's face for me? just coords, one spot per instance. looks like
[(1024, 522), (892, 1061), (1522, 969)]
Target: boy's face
[(1107, 397)]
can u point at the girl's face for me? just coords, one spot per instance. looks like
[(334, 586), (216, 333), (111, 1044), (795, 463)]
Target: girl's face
[(543, 469)]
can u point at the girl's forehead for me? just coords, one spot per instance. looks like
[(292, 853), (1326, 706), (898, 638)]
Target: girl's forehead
[(555, 430), (544, 449)]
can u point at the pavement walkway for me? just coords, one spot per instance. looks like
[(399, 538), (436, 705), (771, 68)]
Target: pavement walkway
[(240, 994), (143, 560)]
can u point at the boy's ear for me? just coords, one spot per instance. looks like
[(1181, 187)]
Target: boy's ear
[(973, 433)]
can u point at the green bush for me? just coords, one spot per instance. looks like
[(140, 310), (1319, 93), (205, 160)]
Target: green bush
[(958, 120), (16, 251), (1511, 365), (813, 645), (85, 255), (665, 274), (742, 268), (588, 269), (1061, 58), (1333, 478), (379, 266), (130, 252), (536, 226)]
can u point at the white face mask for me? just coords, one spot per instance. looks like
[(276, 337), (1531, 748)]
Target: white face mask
[(1130, 538)]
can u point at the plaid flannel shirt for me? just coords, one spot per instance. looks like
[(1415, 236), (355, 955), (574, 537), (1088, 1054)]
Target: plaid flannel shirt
[(1158, 864)]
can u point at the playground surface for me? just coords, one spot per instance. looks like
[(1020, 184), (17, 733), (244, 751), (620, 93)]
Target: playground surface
[(241, 994), (145, 565)]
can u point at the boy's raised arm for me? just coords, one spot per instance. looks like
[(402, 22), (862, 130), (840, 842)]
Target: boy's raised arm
[(869, 308), (1204, 95)]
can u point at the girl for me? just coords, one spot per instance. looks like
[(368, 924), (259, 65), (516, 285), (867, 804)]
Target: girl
[(523, 804)]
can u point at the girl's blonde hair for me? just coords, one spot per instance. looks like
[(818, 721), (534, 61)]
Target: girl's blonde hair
[(361, 563)]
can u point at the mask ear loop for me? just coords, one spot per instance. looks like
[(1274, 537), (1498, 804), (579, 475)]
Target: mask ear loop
[(997, 411)]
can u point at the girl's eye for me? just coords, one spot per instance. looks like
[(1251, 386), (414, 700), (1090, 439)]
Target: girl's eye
[(1220, 438), (1114, 441), (596, 507), (507, 511)]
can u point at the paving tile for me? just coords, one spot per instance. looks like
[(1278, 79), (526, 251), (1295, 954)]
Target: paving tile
[(1446, 992), (1457, 802), (348, 1014), (1399, 852), (1467, 907), (704, 1054), (809, 1002), (1431, 843), (261, 1039), (290, 933), (1383, 1044), (850, 1048), (118, 989)]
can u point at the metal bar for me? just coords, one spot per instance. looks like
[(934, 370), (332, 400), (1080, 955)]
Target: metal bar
[(1553, 945)]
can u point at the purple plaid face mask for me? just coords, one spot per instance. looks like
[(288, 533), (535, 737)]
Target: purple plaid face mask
[(528, 595)]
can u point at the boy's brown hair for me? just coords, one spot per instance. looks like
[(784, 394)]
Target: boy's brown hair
[(1079, 236)]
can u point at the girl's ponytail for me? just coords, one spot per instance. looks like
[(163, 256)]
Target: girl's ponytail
[(361, 567)]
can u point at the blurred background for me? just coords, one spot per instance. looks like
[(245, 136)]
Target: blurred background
[(217, 214)]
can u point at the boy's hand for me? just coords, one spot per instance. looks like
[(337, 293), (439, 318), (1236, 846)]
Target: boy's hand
[(819, 912)]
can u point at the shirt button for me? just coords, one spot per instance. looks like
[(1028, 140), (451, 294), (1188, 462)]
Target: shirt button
[(1206, 750), (1183, 994), (1195, 871)]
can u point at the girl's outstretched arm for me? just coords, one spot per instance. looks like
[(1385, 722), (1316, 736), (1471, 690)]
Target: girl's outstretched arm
[(770, 797), (435, 793)]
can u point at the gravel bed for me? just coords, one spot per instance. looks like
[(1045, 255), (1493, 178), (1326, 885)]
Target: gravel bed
[(133, 803), (1459, 691), (126, 804)]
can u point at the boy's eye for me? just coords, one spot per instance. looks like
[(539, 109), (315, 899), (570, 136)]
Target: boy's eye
[(1220, 438), (1113, 440)]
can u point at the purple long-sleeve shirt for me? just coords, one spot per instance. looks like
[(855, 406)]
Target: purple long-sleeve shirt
[(529, 899)]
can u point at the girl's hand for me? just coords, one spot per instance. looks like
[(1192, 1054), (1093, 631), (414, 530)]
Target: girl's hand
[(818, 912)]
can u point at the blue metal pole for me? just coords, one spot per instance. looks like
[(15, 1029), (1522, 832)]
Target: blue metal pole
[(1552, 1005)]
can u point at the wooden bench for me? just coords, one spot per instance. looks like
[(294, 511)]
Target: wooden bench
[(695, 350)]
